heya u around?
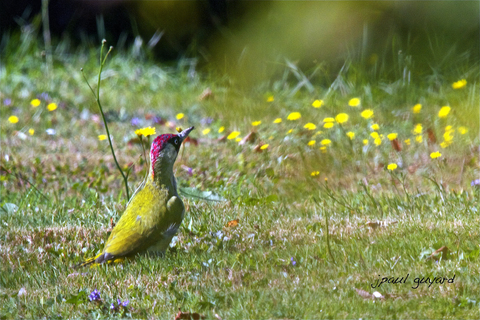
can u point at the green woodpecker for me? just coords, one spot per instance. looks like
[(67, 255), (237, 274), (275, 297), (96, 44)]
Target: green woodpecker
[(155, 211)]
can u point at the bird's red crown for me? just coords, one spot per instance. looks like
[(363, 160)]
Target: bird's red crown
[(157, 145)]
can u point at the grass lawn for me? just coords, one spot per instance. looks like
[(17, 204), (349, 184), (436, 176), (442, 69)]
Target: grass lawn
[(364, 177)]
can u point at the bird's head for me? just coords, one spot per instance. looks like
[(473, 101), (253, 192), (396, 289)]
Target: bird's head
[(165, 149)]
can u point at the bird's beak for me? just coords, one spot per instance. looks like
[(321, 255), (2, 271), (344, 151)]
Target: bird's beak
[(184, 134)]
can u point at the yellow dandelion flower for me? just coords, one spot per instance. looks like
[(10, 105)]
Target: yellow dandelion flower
[(462, 130), (311, 143), (351, 135), (310, 126), (270, 138), (418, 129), (102, 137), (392, 166), (256, 123), (180, 116), (31, 131), (448, 136), (317, 103), (367, 114), (448, 128), (341, 118), (459, 84), (221, 129), (377, 141), (365, 142), (375, 126), (294, 116), (355, 102), (325, 142), (52, 106), (419, 138), (435, 155), (416, 108), (392, 136), (324, 149), (317, 133), (233, 135), (35, 103), (13, 119), (206, 131), (290, 131), (328, 119), (265, 146), (374, 135), (444, 144), (179, 129), (238, 139), (278, 120), (315, 173), (407, 142), (148, 131), (444, 111), (328, 125), (270, 99)]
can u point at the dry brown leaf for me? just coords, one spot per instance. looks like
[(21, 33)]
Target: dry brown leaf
[(258, 147), (364, 294), (397, 145), (188, 315), (444, 251), (206, 94), (250, 138), (112, 224), (373, 224), (431, 136), (376, 224), (233, 223)]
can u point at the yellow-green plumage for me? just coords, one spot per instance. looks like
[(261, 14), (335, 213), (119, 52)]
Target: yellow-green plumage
[(154, 213)]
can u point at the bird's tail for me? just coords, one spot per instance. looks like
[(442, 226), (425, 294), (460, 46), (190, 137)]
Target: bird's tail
[(90, 261), (97, 260)]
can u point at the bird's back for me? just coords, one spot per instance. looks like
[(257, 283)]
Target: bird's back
[(152, 217)]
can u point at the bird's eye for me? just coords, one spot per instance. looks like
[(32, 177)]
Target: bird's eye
[(175, 141)]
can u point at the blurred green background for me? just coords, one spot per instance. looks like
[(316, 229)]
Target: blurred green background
[(247, 39)]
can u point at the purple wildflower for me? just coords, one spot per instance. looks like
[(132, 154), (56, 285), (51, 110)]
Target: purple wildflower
[(7, 102), (135, 122), (44, 96), (94, 296), (293, 261), (475, 182), (158, 120), (125, 303), (112, 306), (206, 121)]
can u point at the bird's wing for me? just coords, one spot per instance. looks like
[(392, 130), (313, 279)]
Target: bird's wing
[(176, 210), (142, 224)]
